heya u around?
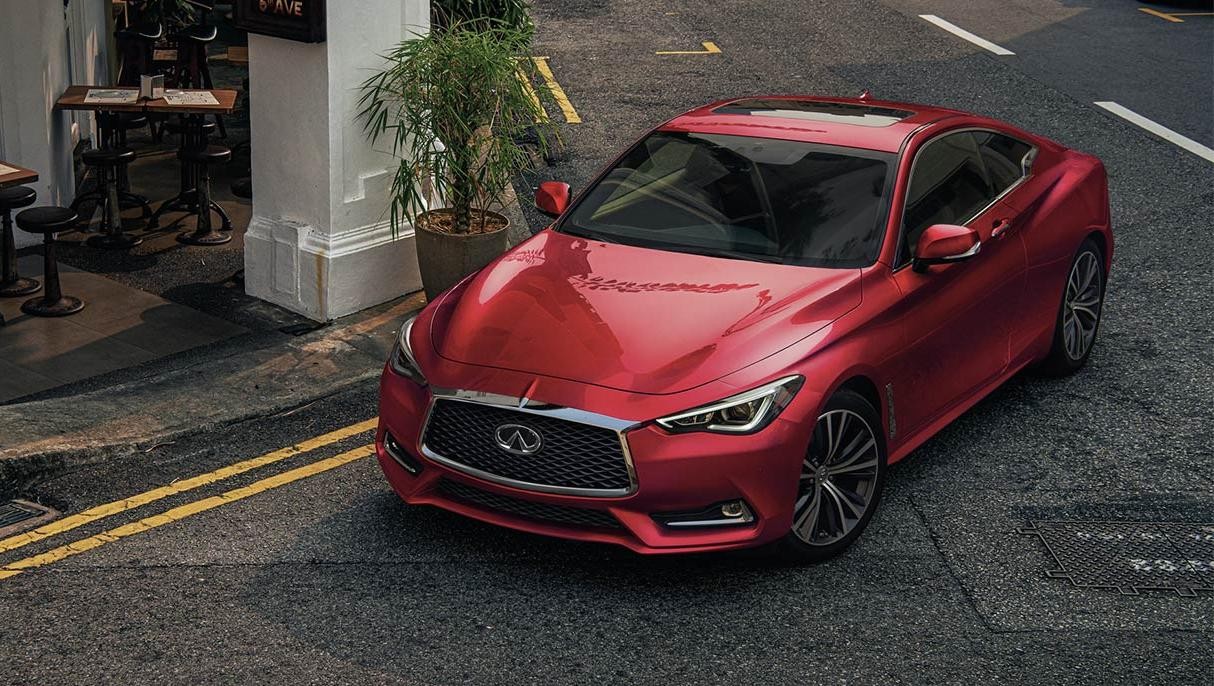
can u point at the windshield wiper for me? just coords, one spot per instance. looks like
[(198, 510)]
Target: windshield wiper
[(588, 234)]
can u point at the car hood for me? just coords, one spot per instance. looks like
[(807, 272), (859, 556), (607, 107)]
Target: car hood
[(633, 319)]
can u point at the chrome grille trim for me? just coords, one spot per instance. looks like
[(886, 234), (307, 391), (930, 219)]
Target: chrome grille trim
[(526, 406)]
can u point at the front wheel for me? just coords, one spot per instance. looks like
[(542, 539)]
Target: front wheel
[(840, 482), (1078, 314)]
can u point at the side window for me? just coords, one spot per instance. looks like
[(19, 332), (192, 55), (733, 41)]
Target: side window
[(948, 185), (1003, 157)]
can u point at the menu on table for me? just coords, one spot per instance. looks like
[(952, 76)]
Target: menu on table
[(178, 97), (112, 96), (6, 170)]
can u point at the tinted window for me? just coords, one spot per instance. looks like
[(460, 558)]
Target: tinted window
[(746, 198), (1003, 157), (948, 185)]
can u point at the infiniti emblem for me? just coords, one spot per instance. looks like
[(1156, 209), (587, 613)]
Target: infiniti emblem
[(518, 439)]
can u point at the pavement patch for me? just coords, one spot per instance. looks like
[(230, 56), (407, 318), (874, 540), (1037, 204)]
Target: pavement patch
[(1131, 556), (1008, 578)]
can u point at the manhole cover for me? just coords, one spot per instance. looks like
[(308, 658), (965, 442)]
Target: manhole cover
[(14, 512), (1131, 556)]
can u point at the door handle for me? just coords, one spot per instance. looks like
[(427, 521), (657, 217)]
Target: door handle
[(1001, 228)]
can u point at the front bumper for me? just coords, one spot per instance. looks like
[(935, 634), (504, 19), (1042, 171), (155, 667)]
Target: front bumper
[(673, 473)]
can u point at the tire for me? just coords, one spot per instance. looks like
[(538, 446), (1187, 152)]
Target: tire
[(1079, 312), (838, 479)]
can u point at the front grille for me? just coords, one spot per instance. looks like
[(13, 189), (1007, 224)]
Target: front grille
[(543, 512), (573, 455)]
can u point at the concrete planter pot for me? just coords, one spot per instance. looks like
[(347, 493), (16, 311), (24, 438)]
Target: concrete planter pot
[(446, 258)]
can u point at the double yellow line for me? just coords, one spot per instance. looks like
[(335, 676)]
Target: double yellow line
[(189, 509), (558, 93)]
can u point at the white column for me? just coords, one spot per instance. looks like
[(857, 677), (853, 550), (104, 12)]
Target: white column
[(320, 242)]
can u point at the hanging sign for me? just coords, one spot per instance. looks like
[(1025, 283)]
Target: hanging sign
[(298, 20)]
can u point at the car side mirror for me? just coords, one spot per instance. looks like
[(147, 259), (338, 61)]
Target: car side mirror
[(552, 198), (944, 243)]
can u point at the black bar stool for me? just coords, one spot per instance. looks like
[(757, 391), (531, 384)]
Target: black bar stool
[(136, 45), (192, 132), (12, 284), (107, 163), (114, 128), (193, 69), (204, 232), (48, 221)]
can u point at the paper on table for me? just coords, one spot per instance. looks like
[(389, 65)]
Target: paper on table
[(112, 96), (176, 97), (6, 170)]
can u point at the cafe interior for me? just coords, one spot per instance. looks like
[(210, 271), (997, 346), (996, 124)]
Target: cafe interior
[(123, 219)]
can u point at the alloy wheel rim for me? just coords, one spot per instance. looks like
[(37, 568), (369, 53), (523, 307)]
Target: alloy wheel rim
[(1081, 307), (838, 478)]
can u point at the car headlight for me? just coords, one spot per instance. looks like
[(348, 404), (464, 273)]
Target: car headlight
[(402, 360), (744, 413)]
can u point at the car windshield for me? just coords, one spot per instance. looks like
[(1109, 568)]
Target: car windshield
[(748, 198)]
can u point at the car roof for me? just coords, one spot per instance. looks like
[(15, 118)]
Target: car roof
[(851, 122)]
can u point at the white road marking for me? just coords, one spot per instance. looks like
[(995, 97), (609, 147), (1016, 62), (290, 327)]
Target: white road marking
[(962, 33), (1159, 130)]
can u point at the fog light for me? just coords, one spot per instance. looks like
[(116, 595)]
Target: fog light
[(401, 456), (730, 513)]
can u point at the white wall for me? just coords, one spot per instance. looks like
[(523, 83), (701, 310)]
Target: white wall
[(38, 65)]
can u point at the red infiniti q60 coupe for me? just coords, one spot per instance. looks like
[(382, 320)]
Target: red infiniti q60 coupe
[(732, 333)]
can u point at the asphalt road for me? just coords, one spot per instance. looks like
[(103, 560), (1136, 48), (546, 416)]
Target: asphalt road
[(329, 579)]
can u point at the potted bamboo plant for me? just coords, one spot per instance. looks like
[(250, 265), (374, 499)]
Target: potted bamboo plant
[(454, 104)]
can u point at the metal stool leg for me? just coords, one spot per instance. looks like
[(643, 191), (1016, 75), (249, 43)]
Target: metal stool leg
[(54, 303), (112, 236), (205, 233), (12, 285)]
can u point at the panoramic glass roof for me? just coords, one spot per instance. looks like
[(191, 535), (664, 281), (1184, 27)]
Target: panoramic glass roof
[(832, 112)]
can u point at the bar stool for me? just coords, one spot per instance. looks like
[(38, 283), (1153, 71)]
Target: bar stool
[(114, 127), (136, 44), (193, 70), (204, 232), (192, 132), (107, 163), (120, 123), (48, 221), (12, 284)]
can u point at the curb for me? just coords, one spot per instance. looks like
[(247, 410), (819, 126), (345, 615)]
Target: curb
[(44, 438)]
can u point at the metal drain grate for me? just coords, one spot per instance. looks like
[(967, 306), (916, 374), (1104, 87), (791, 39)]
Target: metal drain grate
[(1131, 556), (14, 512)]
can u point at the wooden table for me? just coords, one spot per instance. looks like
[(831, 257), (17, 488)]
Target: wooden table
[(18, 178), (73, 99), (226, 98)]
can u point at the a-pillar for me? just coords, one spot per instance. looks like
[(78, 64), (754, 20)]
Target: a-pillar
[(320, 242)]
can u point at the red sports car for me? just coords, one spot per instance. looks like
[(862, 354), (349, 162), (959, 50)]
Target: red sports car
[(727, 339)]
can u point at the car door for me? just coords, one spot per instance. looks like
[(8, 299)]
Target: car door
[(1009, 164), (956, 317)]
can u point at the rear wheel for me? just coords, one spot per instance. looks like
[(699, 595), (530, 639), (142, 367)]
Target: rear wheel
[(1079, 313), (841, 480)]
